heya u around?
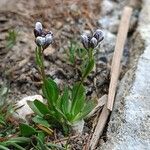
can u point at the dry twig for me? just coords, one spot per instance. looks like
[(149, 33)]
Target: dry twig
[(99, 128), (115, 68), (65, 139)]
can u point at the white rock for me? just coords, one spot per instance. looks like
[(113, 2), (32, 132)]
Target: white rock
[(78, 127), (107, 7), (114, 25), (109, 23), (25, 109)]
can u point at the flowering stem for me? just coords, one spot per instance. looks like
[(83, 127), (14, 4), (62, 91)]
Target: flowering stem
[(40, 61), (88, 69)]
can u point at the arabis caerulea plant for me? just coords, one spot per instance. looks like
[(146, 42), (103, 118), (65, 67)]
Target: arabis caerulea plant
[(69, 106), (42, 38), (90, 42)]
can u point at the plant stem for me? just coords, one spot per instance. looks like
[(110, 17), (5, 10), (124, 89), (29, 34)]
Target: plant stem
[(90, 55), (42, 71)]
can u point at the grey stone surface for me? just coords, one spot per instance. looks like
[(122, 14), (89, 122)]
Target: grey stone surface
[(129, 126)]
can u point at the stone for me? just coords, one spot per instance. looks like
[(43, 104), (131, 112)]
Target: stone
[(77, 127), (49, 51), (107, 7), (129, 126), (113, 27), (110, 23), (59, 25), (107, 45), (23, 108)]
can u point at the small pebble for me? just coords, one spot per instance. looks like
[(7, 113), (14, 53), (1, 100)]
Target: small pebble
[(107, 7)]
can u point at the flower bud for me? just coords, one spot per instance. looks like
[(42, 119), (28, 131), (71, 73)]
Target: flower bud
[(38, 29), (85, 41), (98, 35), (42, 38), (50, 32), (48, 40), (40, 41), (93, 42), (38, 26)]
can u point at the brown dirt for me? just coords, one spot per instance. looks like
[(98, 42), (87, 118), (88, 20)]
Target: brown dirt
[(67, 20)]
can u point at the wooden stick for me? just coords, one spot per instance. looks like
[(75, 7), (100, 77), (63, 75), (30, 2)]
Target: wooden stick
[(100, 127), (120, 42)]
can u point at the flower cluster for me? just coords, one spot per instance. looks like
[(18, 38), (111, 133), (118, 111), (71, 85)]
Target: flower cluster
[(91, 41), (42, 38)]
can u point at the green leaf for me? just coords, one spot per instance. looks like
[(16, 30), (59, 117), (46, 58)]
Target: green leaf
[(40, 144), (41, 107), (3, 147), (11, 38), (79, 104), (59, 115), (41, 136), (72, 49), (18, 146), (40, 120), (26, 130), (34, 108), (65, 102), (11, 143), (59, 103), (50, 91), (16, 140), (20, 140), (88, 107), (78, 97), (2, 120)]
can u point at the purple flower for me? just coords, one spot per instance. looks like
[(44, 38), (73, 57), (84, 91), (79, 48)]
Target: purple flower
[(38, 29), (42, 38), (48, 40), (85, 41), (91, 41), (40, 41), (98, 35)]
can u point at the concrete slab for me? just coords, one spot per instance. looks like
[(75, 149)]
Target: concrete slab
[(129, 127)]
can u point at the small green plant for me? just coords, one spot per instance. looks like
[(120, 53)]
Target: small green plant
[(75, 52), (63, 108), (7, 129), (37, 138), (14, 142), (28, 138), (6, 108), (11, 38)]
